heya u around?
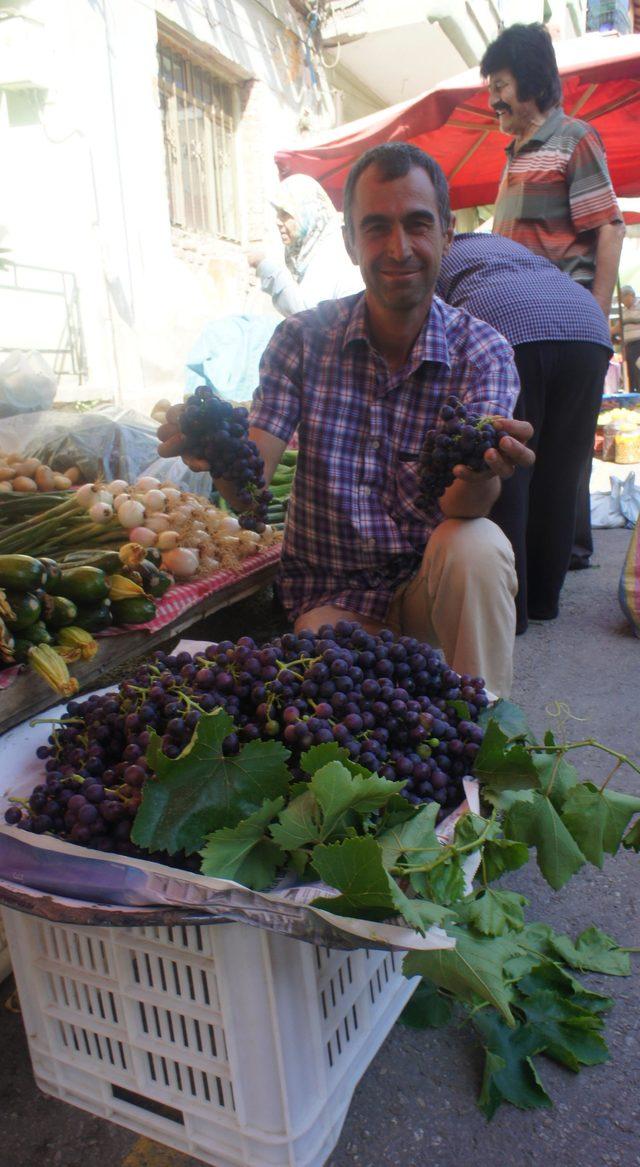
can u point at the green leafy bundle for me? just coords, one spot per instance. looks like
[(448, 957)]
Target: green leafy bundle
[(382, 857)]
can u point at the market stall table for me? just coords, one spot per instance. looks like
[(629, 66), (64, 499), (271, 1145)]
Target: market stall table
[(182, 606)]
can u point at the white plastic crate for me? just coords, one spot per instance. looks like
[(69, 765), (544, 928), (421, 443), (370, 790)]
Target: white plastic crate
[(237, 1046)]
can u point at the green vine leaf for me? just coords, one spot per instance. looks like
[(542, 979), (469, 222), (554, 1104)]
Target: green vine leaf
[(632, 838), (414, 841), (593, 951), (428, 1008), (550, 975), (244, 853), (504, 765), (338, 791), (299, 824), (355, 868), (203, 790), (597, 819), (494, 912), (538, 824), (473, 969), (557, 776), (509, 1073), (509, 718), (570, 1033)]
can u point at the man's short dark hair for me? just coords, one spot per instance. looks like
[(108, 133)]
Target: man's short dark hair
[(395, 160), (526, 50)]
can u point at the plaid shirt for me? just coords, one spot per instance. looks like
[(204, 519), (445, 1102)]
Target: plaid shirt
[(555, 193), (521, 294), (354, 533)]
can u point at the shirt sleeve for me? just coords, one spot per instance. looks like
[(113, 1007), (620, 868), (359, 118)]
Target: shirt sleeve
[(592, 199), (276, 401), (277, 281), (484, 375)]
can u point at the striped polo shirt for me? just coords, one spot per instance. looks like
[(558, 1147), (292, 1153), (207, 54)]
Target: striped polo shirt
[(555, 192)]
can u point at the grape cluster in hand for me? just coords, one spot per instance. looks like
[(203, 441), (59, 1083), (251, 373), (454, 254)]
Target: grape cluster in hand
[(216, 431), (391, 702), (461, 439)]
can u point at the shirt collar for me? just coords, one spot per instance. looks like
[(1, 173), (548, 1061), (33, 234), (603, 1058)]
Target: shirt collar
[(429, 345), (542, 134)]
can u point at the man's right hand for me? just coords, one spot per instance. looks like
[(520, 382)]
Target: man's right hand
[(173, 441)]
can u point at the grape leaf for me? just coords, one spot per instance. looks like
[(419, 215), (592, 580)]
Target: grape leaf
[(318, 756), (548, 975), (557, 776), (244, 853), (632, 838), (445, 883), (593, 951), (474, 968), (500, 765), (508, 717), (355, 868), (299, 824), (597, 819), (498, 854), (509, 1073), (534, 944), (202, 790), (494, 912), (415, 839), (428, 1008), (569, 1033), (338, 791), (538, 824)]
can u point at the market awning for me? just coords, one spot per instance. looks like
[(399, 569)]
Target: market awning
[(452, 122)]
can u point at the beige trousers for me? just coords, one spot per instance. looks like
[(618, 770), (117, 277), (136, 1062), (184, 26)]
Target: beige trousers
[(460, 600)]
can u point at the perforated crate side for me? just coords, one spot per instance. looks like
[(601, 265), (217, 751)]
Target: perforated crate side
[(238, 1046)]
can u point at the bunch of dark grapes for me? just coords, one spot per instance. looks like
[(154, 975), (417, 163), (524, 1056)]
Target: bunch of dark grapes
[(461, 439), (216, 431), (391, 702)]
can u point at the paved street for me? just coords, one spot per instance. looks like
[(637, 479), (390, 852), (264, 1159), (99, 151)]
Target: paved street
[(415, 1106)]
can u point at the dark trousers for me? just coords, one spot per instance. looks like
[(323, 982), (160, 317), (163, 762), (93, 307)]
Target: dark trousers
[(561, 390), (633, 353)]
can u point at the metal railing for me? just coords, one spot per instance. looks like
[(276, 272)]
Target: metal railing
[(69, 354)]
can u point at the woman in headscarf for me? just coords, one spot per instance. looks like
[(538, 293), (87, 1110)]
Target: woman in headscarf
[(316, 265)]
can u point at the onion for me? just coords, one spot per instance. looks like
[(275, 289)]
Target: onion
[(118, 500), (7, 472), (118, 486), (171, 493), (100, 512), (27, 468), (145, 484), (181, 562), (154, 500), (74, 474), (131, 514), (167, 540), (229, 525), (63, 481), (5, 487), (143, 536), (24, 484), (158, 523), (90, 493)]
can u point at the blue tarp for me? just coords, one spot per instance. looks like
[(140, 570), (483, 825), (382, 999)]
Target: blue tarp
[(227, 355)]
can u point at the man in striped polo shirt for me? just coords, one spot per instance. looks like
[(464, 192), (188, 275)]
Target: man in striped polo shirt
[(555, 195)]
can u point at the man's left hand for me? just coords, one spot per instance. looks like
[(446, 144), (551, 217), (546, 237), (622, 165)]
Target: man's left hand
[(512, 451)]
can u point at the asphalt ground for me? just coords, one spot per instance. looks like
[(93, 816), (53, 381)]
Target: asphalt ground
[(416, 1104)]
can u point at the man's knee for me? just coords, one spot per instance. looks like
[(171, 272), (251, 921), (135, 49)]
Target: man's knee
[(472, 546)]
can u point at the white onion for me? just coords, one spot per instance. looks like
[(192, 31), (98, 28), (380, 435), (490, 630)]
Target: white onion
[(119, 499), (158, 523), (171, 494), (167, 540), (154, 500), (181, 562), (143, 535), (229, 525), (131, 514), (118, 486), (91, 493), (100, 512), (145, 484)]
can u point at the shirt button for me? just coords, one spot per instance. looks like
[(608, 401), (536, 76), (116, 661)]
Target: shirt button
[(371, 542), (366, 491), (375, 445)]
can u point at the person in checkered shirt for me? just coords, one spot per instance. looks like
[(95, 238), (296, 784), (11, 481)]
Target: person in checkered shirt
[(362, 379), (555, 195)]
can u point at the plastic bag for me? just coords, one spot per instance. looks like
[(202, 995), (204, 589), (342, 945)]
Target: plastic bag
[(176, 471), (104, 443), (27, 383), (618, 507)]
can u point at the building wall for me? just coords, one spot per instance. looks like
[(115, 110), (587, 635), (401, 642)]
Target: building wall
[(88, 189)]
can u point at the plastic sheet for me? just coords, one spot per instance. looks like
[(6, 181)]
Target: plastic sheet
[(106, 443), (227, 355)]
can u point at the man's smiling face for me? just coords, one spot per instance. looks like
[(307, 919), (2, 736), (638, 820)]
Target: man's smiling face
[(397, 238)]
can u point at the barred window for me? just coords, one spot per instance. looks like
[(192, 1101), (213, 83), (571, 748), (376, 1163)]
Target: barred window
[(199, 121)]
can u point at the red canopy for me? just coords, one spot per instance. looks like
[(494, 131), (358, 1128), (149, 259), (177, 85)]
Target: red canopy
[(452, 122)]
